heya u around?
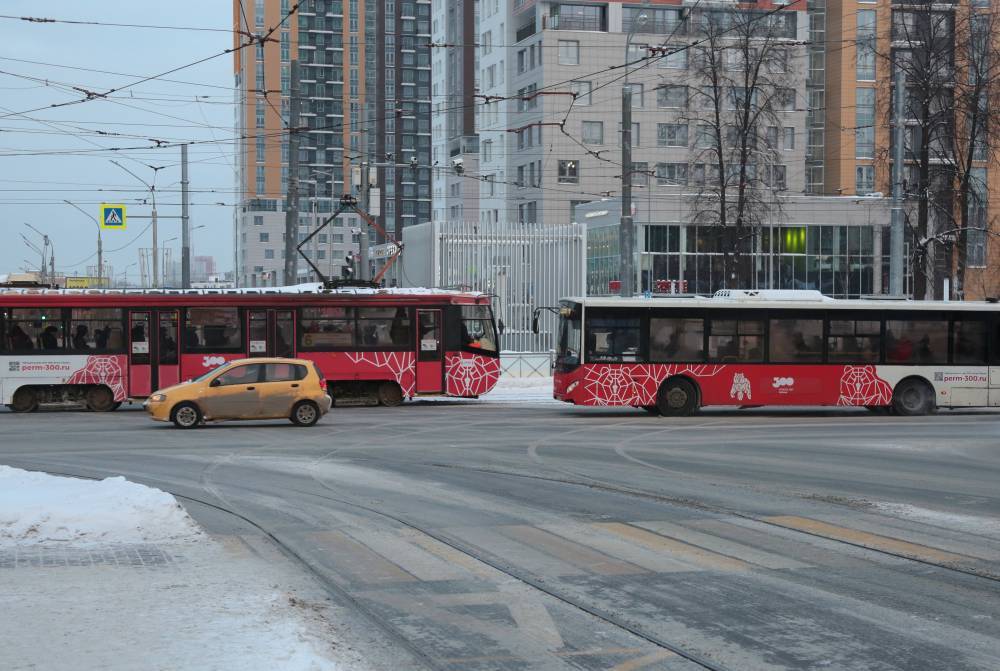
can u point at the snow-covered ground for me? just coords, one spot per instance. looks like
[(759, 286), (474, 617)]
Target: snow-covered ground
[(37, 508), (521, 390), (114, 575)]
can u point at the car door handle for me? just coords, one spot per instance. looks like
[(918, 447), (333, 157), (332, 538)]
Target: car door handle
[(295, 385), (251, 388)]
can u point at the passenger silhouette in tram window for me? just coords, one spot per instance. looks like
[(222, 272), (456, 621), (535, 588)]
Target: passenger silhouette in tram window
[(19, 339), (101, 337), (50, 339), (139, 333), (80, 337), (191, 337), (168, 346)]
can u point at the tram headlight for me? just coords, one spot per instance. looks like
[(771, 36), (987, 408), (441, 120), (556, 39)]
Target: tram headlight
[(158, 398)]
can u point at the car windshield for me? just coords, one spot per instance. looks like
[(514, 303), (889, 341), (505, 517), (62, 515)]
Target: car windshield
[(205, 376)]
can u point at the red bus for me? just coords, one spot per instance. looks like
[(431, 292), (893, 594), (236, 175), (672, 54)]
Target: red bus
[(752, 348), (373, 346)]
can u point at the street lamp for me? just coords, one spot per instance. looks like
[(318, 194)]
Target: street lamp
[(47, 245), (152, 192), (100, 248), (626, 231)]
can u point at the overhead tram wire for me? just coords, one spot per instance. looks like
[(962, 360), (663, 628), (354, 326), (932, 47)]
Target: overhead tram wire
[(46, 20)]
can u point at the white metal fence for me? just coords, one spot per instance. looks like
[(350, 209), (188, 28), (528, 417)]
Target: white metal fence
[(526, 364), (524, 265)]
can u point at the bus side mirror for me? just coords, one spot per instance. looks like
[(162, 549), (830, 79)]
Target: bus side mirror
[(500, 326), (534, 323)]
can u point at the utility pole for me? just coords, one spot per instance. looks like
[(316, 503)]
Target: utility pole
[(156, 250), (100, 245), (292, 206), (365, 272), (896, 223), (185, 223), (626, 229)]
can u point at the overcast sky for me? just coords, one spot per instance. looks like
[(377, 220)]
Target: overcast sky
[(66, 158)]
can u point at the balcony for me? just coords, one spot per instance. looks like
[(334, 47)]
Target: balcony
[(590, 23)]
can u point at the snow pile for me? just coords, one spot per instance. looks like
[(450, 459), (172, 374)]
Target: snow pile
[(521, 390), (39, 508), (976, 524)]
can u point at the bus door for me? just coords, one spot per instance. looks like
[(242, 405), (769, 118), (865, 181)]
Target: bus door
[(271, 333), (167, 372), (140, 371), (430, 352)]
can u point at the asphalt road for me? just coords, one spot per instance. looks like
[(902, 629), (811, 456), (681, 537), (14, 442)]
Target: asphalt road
[(504, 536)]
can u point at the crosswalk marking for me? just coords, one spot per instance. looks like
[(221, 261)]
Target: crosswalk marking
[(579, 555), (717, 542), (699, 557)]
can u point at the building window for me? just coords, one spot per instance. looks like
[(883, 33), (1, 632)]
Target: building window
[(865, 49), (671, 174), (672, 96), (864, 182), (864, 122), (268, 253), (569, 172), (593, 132), (258, 220), (676, 58), (260, 179), (569, 52), (975, 238), (265, 237), (789, 143), (671, 134), (637, 90), (582, 92), (640, 173)]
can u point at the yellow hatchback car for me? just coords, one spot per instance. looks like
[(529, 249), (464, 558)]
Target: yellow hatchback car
[(245, 389)]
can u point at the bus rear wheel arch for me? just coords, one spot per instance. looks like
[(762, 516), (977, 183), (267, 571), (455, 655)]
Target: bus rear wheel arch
[(913, 396), (25, 399), (678, 397)]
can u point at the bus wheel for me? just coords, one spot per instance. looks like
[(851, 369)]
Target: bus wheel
[(25, 400), (185, 415), (389, 394), (913, 397), (677, 398), (100, 399)]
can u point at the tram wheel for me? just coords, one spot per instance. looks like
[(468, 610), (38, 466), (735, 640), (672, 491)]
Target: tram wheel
[(100, 399), (25, 400), (913, 397), (677, 398), (389, 394)]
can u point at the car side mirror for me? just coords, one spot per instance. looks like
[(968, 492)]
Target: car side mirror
[(215, 383)]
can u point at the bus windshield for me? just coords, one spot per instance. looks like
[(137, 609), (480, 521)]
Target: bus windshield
[(568, 347), (478, 332)]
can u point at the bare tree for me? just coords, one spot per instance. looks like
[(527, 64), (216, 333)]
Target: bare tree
[(742, 83)]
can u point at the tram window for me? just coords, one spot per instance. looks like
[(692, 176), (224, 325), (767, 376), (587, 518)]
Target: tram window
[(477, 329), (676, 339), (98, 329), (969, 342), (326, 328), (854, 341), (916, 341), (796, 341), (213, 330), (612, 339), (736, 340), (35, 329), (386, 327), (168, 340)]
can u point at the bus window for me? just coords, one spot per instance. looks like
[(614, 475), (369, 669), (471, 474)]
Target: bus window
[(326, 328), (676, 339), (854, 341), (968, 341), (35, 329), (736, 340), (916, 341), (796, 341), (384, 328), (97, 329), (478, 333), (568, 347), (611, 339), (213, 330)]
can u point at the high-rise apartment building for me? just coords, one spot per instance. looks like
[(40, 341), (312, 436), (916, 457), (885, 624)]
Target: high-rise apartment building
[(364, 73)]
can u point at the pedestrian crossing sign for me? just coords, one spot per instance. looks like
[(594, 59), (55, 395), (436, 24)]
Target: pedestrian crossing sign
[(113, 216)]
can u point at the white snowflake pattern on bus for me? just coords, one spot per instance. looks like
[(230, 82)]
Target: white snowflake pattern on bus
[(637, 384), (860, 385), (471, 375), (400, 364), (106, 370), (741, 387)]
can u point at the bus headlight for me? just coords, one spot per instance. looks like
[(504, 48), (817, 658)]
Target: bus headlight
[(158, 398), (572, 386)]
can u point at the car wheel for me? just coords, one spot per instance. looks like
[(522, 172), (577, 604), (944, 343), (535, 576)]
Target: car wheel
[(25, 400), (305, 413), (913, 397), (186, 415), (677, 398), (100, 399), (389, 394)]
